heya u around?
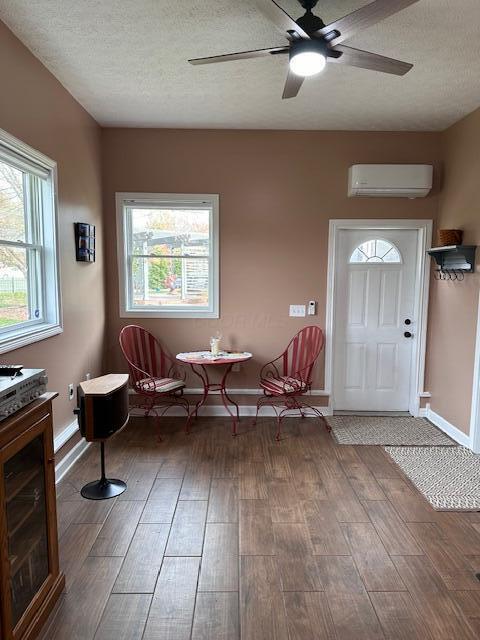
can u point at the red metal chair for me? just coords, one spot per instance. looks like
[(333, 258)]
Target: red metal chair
[(287, 378), (155, 376)]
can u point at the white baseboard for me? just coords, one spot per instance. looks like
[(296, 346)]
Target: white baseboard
[(422, 413), (193, 391), (252, 392), (448, 428), (220, 411), (70, 459), (73, 455), (65, 435)]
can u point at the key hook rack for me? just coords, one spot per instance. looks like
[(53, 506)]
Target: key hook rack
[(449, 274)]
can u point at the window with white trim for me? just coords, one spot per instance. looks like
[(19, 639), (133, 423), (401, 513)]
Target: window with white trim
[(168, 255), (29, 285), (376, 251)]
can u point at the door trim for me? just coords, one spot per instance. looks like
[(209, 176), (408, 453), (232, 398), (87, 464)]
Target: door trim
[(422, 286), (475, 411)]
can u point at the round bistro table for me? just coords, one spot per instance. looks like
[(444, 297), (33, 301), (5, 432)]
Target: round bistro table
[(200, 363)]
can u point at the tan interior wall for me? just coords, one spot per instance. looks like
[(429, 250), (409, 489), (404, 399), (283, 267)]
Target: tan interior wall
[(278, 190), (35, 108), (454, 305)]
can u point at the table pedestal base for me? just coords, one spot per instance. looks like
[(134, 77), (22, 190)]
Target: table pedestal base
[(221, 388)]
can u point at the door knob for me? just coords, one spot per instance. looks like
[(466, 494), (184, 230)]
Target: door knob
[(407, 334), (408, 321)]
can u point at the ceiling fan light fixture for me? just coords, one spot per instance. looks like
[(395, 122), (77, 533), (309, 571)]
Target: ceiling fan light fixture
[(307, 63), (307, 58), (312, 43)]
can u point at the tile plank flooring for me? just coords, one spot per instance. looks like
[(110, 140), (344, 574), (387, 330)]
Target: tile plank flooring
[(249, 539)]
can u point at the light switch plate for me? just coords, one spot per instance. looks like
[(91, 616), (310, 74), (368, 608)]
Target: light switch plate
[(297, 311)]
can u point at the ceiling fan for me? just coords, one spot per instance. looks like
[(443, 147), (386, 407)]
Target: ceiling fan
[(311, 43)]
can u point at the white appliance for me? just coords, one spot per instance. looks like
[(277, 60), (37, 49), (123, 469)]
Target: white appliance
[(18, 391), (390, 180)]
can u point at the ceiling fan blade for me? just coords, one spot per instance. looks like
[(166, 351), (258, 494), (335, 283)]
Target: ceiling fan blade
[(241, 55), (367, 60), (277, 15), (292, 85), (363, 18)]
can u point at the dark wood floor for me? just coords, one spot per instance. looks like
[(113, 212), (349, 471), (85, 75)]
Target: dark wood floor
[(219, 538)]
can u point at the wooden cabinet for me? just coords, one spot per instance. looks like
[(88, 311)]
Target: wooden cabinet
[(30, 579)]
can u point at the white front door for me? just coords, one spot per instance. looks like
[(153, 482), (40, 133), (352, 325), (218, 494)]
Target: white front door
[(373, 316)]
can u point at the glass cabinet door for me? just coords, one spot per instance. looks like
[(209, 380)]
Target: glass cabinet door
[(24, 477)]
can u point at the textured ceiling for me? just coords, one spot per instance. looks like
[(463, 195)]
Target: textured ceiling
[(125, 61)]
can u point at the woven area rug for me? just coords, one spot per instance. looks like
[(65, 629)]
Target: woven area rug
[(401, 431), (448, 477)]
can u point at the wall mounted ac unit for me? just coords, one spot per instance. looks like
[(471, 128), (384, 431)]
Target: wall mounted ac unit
[(390, 180)]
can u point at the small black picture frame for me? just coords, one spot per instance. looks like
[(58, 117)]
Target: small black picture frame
[(84, 242)]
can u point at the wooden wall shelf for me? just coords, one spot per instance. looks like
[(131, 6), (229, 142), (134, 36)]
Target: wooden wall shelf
[(454, 258)]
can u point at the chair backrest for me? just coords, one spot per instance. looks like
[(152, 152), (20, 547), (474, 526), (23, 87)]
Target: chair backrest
[(302, 352), (144, 354)]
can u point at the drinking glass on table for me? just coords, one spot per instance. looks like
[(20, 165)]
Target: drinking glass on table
[(215, 344)]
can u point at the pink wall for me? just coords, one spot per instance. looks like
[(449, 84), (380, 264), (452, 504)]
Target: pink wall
[(453, 306), (35, 108), (278, 190)]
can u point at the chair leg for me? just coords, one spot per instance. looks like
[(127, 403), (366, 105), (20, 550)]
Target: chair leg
[(280, 416), (301, 406), (148, 406), (182, 402), (189, 418), (261, 402), (291, 403), (327, 426), (159, 435), (187, 423), (256, 412), (279, 427)]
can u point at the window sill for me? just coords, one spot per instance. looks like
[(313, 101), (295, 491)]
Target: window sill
[(179, 315), (24, 338)]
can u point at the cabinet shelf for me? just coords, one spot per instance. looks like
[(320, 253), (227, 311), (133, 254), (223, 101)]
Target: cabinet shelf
[(18, 515), (18, 481), (27, 545)]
